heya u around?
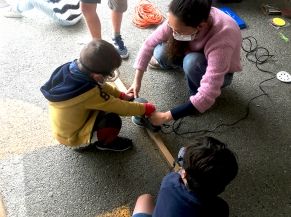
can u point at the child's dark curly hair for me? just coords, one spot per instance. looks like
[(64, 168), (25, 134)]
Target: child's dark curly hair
[(210, 166)]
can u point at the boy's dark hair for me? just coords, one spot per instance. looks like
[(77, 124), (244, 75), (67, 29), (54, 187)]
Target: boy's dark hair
[(210, 166), (191, 12), (99, 56)]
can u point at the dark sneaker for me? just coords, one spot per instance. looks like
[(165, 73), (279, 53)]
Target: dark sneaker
[(119, 144), (144, 122), (138, 121), (141, 121), (90, 147), (154, 64), (119, 45)]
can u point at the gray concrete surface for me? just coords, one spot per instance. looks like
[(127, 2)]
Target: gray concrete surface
[(38, 177)]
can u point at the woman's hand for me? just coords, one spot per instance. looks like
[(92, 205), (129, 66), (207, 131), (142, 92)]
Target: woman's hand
[(135, 87), (159, 118)]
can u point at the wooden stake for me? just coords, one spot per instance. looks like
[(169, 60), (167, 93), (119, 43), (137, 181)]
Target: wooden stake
[(154, 136), (2, 208)]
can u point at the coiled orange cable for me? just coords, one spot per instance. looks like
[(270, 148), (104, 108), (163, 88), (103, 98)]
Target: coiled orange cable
[(146, 14)]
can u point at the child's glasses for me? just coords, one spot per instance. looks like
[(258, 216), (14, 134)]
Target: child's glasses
[(112, 77), (107, 78)]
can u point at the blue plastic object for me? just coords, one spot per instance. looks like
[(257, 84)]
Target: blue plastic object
[(240, 22)]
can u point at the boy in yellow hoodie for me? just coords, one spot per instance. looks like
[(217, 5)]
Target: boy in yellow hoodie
[(81, 102)]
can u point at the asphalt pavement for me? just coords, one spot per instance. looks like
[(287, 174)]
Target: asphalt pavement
[(39, 177)]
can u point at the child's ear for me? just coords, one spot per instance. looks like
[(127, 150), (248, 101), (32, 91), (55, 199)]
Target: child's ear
[(183, 173), (97, 77)]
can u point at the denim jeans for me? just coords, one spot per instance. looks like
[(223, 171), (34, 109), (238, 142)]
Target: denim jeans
[(141, 215), (47, 8), (193, 64)]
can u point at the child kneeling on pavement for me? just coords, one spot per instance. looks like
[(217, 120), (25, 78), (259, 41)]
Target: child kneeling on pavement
[(207, 167), (82, 103)]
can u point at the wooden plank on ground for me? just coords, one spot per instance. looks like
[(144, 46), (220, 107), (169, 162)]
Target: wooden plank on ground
[(154, 136), (2, 208)]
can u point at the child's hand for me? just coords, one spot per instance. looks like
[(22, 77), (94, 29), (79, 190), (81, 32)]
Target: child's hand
[(126, 96)]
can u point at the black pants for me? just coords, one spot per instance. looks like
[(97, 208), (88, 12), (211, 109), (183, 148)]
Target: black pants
[(107, 126)]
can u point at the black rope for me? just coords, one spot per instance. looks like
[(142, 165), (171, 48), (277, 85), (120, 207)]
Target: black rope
[(255, 54)]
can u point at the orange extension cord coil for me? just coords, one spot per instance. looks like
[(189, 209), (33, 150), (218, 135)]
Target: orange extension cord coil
[(146, 14)]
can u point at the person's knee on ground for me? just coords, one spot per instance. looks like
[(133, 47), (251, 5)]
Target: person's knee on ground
[(161, 56), (144, 204), (194, 66), (108, 128)]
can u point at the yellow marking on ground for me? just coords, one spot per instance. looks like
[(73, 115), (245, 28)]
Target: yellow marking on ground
[(24, 128), (123, 211), (2, 208)]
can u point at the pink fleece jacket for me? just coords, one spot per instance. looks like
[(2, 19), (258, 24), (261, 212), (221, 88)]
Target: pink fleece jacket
[(221, 44)]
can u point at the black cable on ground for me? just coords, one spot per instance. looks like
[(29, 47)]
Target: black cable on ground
[(255, 54)]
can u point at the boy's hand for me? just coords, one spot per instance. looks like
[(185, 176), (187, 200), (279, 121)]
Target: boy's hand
[(159, 118), (126, 96)]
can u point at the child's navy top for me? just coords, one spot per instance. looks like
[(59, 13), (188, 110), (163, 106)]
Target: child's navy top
[(175, 200)]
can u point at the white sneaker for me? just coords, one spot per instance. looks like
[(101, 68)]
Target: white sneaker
[(12, 13), (3, 4)]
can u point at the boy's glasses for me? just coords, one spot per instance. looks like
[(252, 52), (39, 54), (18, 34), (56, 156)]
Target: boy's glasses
[(108, 78), (112, 77)]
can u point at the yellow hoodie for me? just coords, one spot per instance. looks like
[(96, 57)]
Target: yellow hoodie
[(72, 120)]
